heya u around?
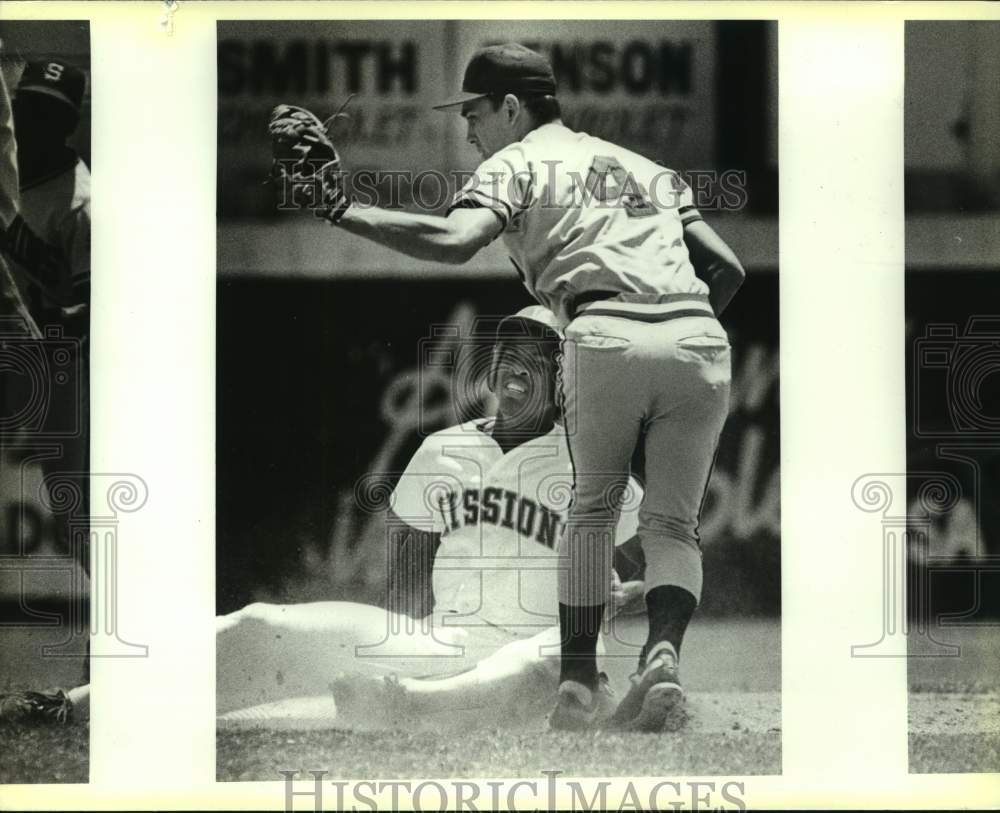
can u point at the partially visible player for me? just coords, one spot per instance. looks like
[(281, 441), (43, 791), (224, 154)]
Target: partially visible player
[(44, 283), (489, 496), (47, 245), (12, 306)]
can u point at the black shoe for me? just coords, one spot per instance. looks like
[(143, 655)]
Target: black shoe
[(655, 695)]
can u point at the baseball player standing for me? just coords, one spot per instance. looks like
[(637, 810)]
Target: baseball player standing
[(613, 244), (48, 245)]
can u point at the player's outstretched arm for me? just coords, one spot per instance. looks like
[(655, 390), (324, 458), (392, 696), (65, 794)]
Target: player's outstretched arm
[(304, 155), (714, 262), (453, 239)]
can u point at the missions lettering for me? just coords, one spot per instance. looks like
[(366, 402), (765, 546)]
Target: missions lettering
[(501, 507)]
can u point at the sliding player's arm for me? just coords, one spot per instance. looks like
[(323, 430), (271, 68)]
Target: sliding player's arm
[(413, 530), (628, 586), (409, 566)]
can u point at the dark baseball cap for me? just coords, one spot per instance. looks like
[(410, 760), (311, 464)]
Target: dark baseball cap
[(502, 69), (54, 78)]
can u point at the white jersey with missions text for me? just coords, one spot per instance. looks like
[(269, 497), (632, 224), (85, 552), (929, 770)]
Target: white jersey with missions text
[(583, 216), (500, 517)]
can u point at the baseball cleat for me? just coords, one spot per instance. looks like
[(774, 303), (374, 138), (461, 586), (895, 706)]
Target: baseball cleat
[(655, 694), (35, 707), (579, 708)]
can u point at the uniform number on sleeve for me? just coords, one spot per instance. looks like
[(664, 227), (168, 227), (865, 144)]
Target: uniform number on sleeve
[(609, 182)]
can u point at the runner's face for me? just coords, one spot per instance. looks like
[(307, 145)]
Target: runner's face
[(526, 383), (488, 130)]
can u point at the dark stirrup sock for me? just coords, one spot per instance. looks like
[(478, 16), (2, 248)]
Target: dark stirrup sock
[(670, 609), (579, 628)]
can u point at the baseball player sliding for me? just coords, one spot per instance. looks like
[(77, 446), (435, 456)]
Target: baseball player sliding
[(491, 495), (613, 244)]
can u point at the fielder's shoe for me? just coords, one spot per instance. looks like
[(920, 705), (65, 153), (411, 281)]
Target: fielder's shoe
[(655, 696), (579, 709), (35, 707)]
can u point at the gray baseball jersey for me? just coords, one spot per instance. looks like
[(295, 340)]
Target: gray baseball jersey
[(581, 215)]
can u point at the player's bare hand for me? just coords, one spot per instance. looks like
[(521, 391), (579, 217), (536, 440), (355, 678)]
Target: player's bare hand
[(626, 597)]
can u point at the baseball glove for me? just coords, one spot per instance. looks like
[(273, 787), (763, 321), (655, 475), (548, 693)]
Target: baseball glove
[(305, 158)]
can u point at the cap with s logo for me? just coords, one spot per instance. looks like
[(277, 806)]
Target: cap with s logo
[(502, 69), (54, 78)]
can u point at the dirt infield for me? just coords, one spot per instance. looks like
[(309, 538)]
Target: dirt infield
[(44, 755), (942, 713), (704, 713), (731, 726), (954, 704), (259, 755), (954, 733)]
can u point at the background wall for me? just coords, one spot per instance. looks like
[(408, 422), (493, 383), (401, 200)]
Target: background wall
[(952, 118)]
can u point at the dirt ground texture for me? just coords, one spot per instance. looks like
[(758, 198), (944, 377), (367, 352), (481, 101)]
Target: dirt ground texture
[(954, 702)]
